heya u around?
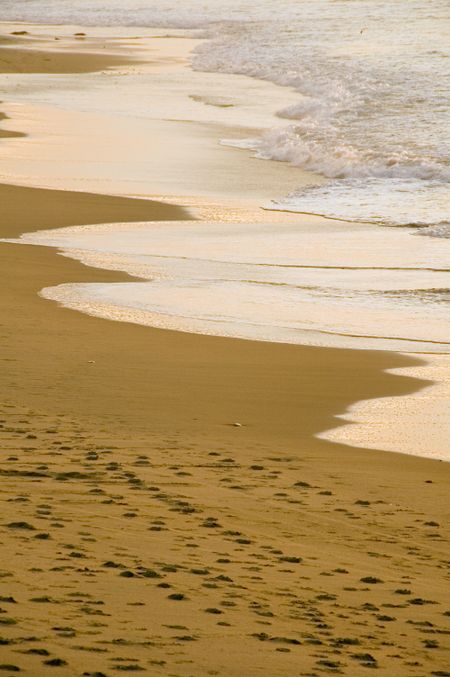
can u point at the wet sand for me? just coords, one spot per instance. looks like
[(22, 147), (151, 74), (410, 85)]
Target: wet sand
[(143, 531), (5, 133), (16, 56)]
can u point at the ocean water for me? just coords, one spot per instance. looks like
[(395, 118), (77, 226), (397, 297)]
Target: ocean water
[(373, 84)]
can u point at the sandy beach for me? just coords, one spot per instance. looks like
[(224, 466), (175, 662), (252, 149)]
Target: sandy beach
[(166, 506)]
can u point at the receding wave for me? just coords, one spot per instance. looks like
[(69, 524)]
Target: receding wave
[(328, 284)]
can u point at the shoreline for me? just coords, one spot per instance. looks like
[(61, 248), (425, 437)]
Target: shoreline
[(279, 553), (60, 269)]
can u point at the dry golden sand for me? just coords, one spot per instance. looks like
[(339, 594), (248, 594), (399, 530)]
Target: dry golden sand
[(141, 531)]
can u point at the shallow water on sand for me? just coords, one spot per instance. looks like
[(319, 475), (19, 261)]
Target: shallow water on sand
[(340, 285)]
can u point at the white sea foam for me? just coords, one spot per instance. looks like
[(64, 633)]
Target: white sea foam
[(358, 114), (438, 230)]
